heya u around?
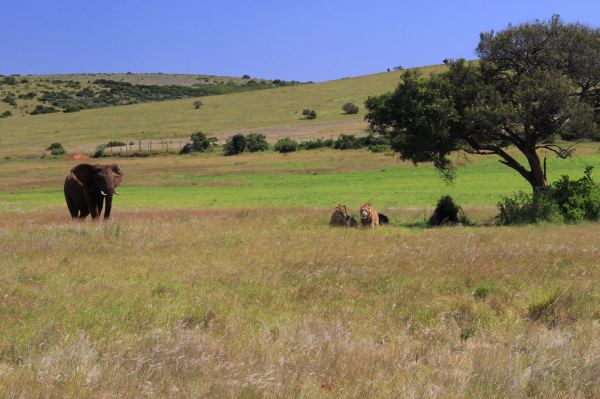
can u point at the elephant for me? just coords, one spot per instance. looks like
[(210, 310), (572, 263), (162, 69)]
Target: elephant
[(88, 186)]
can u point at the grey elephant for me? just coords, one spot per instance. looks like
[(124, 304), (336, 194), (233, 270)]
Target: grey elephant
[(87, 187)]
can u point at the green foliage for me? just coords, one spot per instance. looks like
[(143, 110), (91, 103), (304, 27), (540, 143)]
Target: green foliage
[(200, 142), (256, 142), (315, 144), (28, 96), (41, 109), (8, 80), (350, 108), (447, 212), (525, 87), (114, 143), (56, 149), (5, 114), (10, 99), (286, 145), (309, 113), (525, 208), (483, 290), (379, 148), (99, 153), (581, 124), (347, 142), (565, 200), (234, 145), (578, 200)]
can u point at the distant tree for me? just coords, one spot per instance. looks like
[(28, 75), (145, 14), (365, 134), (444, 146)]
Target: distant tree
[(398, 68), (200, 142), (256, 142), (234, 145), (309, 113), (246, 77), (350, 108), (56, 149), (531, 79), (285, 145), (197, 104)]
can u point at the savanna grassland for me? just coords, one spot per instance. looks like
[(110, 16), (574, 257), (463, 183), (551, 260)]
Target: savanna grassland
[(220, 277)]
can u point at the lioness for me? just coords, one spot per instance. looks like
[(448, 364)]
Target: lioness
[(340, 217), (368, 216)]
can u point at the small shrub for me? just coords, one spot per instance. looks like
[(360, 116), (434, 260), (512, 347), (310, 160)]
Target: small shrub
[(235, 145), (256, 142), (315, 144), (99, 153), (10, 100), (5, 114), (286, 145), (347, 142), (577, 200), (70, 107), (41, 109), (483, 290), (56, 149), (200, 142), (246, 77), (115, 144), (309, 113), (198, 104), (379, 148), (523, 208), (350, 108), (447, 212)]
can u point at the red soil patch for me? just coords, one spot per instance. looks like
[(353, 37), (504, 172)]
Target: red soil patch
[(77, 156)]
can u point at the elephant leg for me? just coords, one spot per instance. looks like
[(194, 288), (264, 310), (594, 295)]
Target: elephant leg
[(72, 208), (100, 203), (83, 213)]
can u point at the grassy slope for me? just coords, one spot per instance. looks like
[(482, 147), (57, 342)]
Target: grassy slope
[(274, 108)]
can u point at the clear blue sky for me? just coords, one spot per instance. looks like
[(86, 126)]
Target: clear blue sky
[(300, 40)]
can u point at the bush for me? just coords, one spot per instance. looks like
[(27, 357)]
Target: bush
[(315, 144), (56, 149), (200, 142), (256, 142), (235, 145), (197, 104), (350, 108), (524, 208), (10, 100), (347, 142), (115, 144), (5, 114), (286, 145), (447, 212), (9, 80), (577, 200), (40, 109), (99, 153), (380, 148), (309, 113), (565, 200), (72, 107)]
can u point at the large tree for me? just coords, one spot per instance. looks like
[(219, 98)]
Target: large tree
[(529, 81)]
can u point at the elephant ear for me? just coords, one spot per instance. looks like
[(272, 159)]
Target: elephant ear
[(118, 171), (84, 173)]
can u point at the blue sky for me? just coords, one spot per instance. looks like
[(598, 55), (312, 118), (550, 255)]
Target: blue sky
[(300, 40)]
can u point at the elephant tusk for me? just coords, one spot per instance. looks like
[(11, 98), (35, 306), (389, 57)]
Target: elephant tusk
[(103, 193), (116, 193)]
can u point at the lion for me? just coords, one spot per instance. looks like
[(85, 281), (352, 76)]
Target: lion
[(340, 217), (368, 216)]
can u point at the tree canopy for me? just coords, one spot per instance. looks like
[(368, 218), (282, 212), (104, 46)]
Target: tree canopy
[(530, 81)]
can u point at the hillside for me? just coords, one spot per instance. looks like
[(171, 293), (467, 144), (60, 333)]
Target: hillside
[(37, 94), (274, 112)]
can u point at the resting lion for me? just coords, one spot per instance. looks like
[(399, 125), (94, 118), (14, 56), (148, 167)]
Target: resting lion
[(368, 216), (340, 217)]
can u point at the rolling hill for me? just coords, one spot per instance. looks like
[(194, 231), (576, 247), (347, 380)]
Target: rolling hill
[(275, 112)]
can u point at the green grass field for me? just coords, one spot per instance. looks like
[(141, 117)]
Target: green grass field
[(319, 179)]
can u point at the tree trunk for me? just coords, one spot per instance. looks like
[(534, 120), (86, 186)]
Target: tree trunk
[(537, 177)]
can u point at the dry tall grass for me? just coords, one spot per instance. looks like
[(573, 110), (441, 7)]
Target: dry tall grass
[(274, 303)]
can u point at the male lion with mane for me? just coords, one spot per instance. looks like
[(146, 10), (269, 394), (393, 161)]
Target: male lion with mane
[(368, 216)]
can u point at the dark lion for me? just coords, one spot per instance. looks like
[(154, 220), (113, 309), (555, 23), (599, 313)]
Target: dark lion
[(340, 217)]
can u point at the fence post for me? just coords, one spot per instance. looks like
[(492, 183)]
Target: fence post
[(140, 145)]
